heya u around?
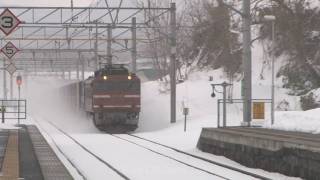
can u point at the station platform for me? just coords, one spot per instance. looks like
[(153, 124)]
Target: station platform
[(25, 154), (290, 153)]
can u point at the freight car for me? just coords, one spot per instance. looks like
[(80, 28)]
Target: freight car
[(111, 97)]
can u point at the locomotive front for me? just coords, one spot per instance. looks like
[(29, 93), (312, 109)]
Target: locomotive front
[(115, 99)]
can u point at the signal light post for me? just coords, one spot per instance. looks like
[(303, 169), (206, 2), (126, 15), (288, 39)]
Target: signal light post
[(19, 82)]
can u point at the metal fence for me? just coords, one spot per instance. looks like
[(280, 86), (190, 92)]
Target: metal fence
[(234, 108), (13, 109)]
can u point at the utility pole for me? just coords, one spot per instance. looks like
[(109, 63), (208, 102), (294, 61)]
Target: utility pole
[(134, 45), (96, 60), (109, 45), (246, 58), (173, 61)]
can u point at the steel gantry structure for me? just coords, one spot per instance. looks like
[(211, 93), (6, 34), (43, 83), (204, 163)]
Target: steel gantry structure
[(78, 39)]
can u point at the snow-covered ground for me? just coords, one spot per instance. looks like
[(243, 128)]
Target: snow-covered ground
[(306, 121), (45, 106)]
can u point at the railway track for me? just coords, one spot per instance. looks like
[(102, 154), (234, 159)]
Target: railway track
[(122, 175), (113, 168), (142, 142), (156, 147)]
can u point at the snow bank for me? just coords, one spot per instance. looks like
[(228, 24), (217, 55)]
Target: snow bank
[(194, 93), (304, 121)]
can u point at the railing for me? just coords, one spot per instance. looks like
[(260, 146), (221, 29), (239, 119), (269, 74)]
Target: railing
[(13, 109), (237, 101)]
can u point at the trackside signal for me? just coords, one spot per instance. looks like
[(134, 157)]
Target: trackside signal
[(19, 80)]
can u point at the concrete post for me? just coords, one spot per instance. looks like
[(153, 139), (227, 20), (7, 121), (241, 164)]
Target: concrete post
[(134, 45), (173, 61), (246, 28)]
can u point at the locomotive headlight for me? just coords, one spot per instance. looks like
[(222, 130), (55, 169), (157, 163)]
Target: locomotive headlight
[(105, 77), (129, 77)]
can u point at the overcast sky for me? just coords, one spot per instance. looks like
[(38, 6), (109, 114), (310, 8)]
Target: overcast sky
[(65, 2), (44, 2)]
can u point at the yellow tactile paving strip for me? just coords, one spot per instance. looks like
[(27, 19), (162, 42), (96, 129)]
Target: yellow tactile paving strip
[(10, 166)]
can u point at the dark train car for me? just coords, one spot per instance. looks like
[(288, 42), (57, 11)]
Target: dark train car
[(111, 96), (69, 94)]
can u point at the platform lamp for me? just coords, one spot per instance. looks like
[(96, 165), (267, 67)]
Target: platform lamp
[(224, 92)]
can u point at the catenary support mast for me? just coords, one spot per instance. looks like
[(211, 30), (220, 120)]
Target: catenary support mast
[(173, 61), (246, 24), (134, 45)]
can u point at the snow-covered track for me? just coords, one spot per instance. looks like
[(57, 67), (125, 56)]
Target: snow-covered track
[(130, 138), (90, 152), (174, 159)]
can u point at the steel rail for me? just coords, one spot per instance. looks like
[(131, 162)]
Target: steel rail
[(169, 157), (204, 159), (90, 152)]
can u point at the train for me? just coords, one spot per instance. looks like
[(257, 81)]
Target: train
[(111, 97)]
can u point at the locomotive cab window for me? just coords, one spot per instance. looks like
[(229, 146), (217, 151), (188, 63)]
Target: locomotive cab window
[(131, 86)]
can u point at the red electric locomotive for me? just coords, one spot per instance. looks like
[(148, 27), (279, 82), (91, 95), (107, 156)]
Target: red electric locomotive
[(112, 97)]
